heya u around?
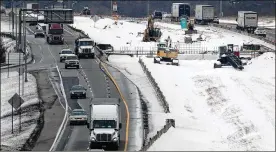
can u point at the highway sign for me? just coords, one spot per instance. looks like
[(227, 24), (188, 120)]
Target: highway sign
[(59, 16), (16, 101)]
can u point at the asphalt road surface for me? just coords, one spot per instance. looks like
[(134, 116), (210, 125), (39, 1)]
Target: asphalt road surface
[(75, 138), (270, 33)]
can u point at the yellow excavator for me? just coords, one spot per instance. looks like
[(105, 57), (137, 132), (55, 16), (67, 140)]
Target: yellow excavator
[(151, 33), (166, 54)]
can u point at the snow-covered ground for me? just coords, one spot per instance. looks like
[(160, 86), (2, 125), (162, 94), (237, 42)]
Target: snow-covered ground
[(131, 69), (5, 26), (218, 109), (124, 35), (214, 109), (30, 113)]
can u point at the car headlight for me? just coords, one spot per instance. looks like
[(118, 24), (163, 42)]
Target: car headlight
[(73, 92), (115, 139), (92, 138)]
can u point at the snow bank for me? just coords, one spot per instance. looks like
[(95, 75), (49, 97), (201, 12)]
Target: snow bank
[(213, 37), (5, 27), (29, 112), (130, 67), (223, 109), (122, 36), (9, 44)]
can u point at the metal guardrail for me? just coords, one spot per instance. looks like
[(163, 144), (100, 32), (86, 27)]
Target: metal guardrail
[(158, 91), (169, 123), (65, 119)]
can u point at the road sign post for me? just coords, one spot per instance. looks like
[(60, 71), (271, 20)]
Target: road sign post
[(16, 101), (95, 18)]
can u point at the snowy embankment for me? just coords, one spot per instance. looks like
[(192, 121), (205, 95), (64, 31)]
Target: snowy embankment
[(213, 37), (8, 43), (218, 109), (132, 69), (30, 111), (124, 35)]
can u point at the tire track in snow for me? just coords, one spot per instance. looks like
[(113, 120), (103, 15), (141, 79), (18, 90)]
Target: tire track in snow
[(246, 135), (267, 107)]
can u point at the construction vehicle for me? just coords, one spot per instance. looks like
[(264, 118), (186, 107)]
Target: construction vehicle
[(191, 25), (166, 54), (151, 33), (86, 11), (229, 57)]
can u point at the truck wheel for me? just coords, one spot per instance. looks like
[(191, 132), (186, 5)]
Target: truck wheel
[(77, 66), (66, 67)]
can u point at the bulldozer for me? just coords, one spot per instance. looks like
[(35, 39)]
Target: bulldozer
[(151, 33), (166, 54)]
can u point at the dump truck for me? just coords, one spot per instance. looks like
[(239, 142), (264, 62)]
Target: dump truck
[(151, 33)]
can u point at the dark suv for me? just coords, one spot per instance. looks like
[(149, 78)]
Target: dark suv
[(78, 91)]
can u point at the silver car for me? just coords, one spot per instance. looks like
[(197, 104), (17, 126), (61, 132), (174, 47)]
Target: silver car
[(78, 116)]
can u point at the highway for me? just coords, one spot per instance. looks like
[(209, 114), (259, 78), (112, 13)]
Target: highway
[(75, 138), (270, 33)]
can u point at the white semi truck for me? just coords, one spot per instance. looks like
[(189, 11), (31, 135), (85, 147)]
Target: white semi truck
[(54, 33), (104, 123), (204, 14), (247, 21), (84, 47)]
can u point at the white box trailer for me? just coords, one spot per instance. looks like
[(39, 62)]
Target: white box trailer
[(32, 6), (204, 14), (179, 10), (247, 20)]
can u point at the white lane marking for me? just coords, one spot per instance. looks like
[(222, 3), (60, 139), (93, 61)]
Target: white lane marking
[(52, 55), (42, 56), (69, 32)]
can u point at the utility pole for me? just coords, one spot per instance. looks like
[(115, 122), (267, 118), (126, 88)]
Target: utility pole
[(20, 51), (25, 43), (148, 8), (220, 7), (111, 8), (12, 17)]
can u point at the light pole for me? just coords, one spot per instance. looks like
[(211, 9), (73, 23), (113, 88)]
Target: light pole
[(220, 6)]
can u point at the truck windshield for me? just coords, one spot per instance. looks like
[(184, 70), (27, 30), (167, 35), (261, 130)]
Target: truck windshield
[(55, 31), (104, 124), (86, 43)]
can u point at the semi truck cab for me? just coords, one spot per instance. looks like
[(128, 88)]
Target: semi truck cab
[(104, 123), (54, 33), (84, 47)]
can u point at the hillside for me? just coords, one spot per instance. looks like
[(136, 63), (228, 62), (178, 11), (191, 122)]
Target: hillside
[(139, 8)]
